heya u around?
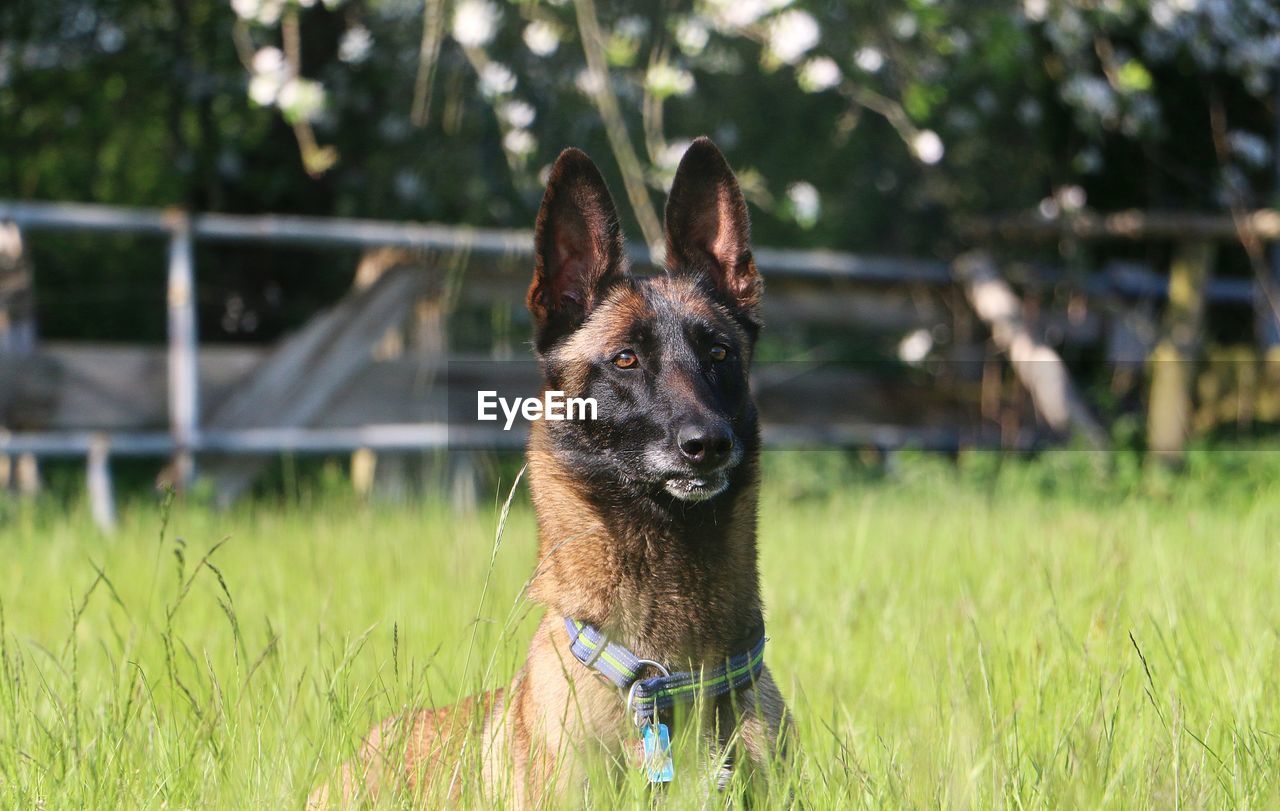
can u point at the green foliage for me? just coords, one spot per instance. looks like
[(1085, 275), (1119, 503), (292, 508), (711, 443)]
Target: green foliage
[(886, 122)]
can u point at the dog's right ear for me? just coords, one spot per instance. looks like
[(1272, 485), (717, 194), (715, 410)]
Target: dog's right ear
[(577, 249), (708, 230)]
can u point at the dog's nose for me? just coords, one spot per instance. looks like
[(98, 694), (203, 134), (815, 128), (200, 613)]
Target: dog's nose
[(706, 446)]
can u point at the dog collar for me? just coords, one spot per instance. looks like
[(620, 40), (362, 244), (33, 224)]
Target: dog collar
[(646, 696)]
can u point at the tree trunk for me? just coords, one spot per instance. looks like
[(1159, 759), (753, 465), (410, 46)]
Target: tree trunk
[(1172, 365)]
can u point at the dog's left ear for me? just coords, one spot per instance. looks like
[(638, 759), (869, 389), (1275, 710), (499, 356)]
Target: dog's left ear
[(708, 230)]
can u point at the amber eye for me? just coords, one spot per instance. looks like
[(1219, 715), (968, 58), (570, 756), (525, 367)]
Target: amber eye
[(719, 352), (624, 359)]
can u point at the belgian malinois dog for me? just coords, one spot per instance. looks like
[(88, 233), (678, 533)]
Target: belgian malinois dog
[(646, 515)]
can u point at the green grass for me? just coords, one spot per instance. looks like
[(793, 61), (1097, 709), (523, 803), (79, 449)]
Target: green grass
[(1024, 635)]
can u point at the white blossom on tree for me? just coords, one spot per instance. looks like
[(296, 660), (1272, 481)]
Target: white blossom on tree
[(496, 80), (819, 74), (301, 100), (734, 15), (692, 35), (516, 114), (542, 38), (805, 203), (928, 147), (869, 59), (355, 45), (519, 142), (475, 22), (665, 80), (792, 34), (270, 73)]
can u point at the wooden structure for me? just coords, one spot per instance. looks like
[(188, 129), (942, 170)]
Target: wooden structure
[(1172, 350), (1036, 364)]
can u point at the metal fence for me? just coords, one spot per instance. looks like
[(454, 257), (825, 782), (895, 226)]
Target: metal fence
[(185, 438)]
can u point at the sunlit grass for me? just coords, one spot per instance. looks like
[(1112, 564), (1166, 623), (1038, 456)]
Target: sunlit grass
[(945, 640)]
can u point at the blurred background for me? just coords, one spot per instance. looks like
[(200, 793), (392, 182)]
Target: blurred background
[(1020, 226)]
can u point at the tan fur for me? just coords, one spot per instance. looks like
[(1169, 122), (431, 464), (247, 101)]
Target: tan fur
[(404, 749), (622, 308)]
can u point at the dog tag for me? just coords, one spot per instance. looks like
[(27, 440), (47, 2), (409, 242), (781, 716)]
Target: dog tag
[(657, 754)]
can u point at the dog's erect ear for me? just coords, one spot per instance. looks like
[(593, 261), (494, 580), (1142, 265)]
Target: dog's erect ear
[(577, 248), (708, 230)]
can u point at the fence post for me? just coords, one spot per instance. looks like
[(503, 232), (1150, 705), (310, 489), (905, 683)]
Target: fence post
[(184, 378), (17, 306), (1169, 413), (1268, 290), (102, 500), (1268, 317), (17, 338)]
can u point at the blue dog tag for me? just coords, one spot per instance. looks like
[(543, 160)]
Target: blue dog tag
[(657, 754)]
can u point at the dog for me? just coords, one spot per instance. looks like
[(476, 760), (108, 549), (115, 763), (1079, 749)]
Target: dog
[(646, 514)]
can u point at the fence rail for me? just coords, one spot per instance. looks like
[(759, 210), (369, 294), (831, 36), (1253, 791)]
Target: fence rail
[(407, 437), (1263, 225), (429, 436), (333, 232), (817, 273)]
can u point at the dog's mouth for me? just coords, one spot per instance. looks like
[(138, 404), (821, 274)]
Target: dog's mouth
[(697, 488)]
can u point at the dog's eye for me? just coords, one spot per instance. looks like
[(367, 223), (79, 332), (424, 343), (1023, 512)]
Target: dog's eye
[(624, 359), (719, 352)]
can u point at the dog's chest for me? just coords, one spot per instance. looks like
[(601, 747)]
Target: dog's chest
[(681, 619)]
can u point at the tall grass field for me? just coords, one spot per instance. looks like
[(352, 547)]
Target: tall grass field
[(986, 633)]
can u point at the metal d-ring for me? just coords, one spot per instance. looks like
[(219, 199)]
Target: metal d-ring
[(631, 693)]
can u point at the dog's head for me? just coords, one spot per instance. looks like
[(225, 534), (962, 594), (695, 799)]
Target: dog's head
[(665, 357)]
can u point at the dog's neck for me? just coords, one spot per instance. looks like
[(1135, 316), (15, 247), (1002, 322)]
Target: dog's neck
[(673, 581)]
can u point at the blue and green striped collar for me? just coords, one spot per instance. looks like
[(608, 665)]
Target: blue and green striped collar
[(647, 696)]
